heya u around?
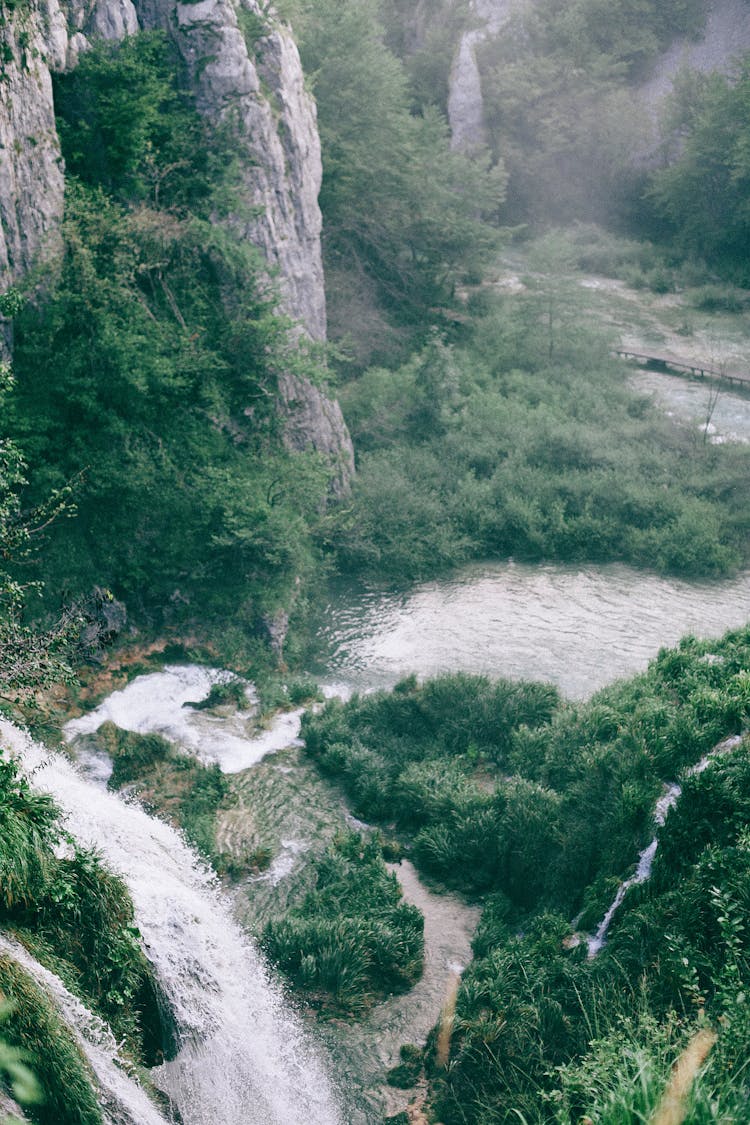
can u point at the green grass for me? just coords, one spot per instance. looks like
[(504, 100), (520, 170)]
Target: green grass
[(352, 940), (174, 785), (538, 809), (521, 437), (75, 915), (65, 1082)]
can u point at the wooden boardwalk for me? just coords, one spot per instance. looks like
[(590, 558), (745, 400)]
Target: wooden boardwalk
[(665, 361)]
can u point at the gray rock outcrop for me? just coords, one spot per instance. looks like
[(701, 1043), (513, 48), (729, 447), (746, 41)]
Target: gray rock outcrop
[(31, 177), (10, 1110), (244, 66), (725, 36)]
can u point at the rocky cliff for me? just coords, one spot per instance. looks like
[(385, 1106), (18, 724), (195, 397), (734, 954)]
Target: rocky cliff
[(243, 65), (726, 35)]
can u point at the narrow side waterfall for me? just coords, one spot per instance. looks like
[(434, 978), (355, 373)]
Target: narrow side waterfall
[(243, 1059), (465, 103), (667, 801), (122, 1099)]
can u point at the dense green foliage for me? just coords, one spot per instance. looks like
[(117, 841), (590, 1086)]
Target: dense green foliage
[(66, 1094), (76, 917), (540, 808), (404, 216), (147, 362), (523, 439), (418, 756), (29, 658), (558, 105), (172, 784), (352, 940), (425, 41), (703, 192)]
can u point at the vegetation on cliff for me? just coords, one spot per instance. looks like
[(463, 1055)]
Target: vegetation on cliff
[(147, 358)]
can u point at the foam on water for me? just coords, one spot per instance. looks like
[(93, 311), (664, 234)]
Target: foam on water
[(156, 704), (122, 1099)]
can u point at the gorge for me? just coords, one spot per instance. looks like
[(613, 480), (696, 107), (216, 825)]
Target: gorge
[(356, 668)]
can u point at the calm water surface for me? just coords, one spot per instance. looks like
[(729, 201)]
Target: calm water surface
[(578, 627)]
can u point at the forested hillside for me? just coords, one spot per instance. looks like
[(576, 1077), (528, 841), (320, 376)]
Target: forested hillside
[(170, 439)]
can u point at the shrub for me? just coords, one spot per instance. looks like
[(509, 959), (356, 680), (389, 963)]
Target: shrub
[(67, 1092), (352, 940)]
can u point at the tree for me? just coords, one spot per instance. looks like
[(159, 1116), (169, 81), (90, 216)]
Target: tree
[(30, 658), (398, 205), (703, 192)]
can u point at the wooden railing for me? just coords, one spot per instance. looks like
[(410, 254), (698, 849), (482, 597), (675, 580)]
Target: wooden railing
[(695, 370)]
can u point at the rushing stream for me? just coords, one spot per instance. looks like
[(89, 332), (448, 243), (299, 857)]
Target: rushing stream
[(723, 415), (243, 1058)]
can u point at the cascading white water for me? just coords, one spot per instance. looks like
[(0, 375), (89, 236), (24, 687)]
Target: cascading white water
[(122, 1099), (667, 801), (156, 703), (465, 103), (243, 1059)]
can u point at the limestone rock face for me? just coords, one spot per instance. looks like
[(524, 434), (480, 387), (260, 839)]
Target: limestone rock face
[(40, 37), (725, 37), (31, 177), (245, 68), (256, 80), (314, 421), (11, 1108)]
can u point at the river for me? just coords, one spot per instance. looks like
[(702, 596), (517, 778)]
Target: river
[(578, 627)]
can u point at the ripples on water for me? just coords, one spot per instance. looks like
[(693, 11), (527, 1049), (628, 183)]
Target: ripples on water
[(579, 628)]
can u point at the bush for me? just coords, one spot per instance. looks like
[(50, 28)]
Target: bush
[(352, 940), (75, 915), (231, 692), (179, 788), (66, 1085)]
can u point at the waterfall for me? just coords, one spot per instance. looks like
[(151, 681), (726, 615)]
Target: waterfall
[(156, 704), (123, 1101), (243, 1059), (667, 801), (465, 104)]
